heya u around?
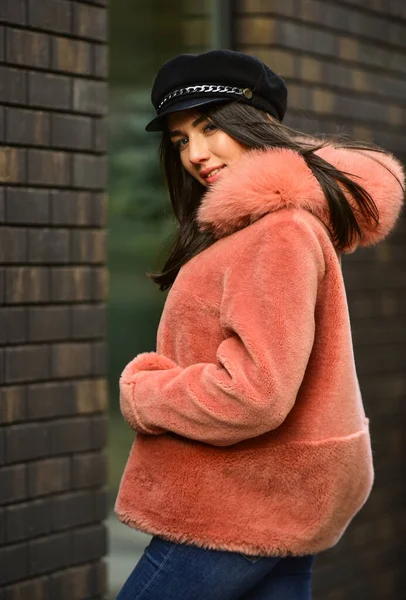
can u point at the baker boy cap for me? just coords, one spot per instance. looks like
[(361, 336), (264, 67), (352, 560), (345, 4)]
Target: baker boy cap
[(191, 80)]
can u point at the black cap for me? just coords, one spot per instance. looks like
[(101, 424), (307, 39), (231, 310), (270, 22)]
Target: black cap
[(190, 80)]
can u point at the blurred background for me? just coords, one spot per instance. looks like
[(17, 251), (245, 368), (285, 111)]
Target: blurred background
[(143, 35), (75, 82)]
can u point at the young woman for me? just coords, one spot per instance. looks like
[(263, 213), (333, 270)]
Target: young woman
[(253, 451)]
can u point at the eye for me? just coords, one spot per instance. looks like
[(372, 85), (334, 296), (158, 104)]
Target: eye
[(179, 144), (209, 127)]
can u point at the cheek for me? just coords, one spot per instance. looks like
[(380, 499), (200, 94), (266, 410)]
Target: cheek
[(185, 162), (227, 148), (187, 165)]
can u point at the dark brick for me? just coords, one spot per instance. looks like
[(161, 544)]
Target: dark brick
[(48, 323), (12, 404), (24, 285), (90, 96), (379, 332), (90, 22), (71, 56), (49, 167), (99, 212), (386, 361), (2, 37), (71, 284), (50, 553), (27, 441), (47, 400), (89, 470), (48, 245), (2, 445), (33, 589), (2, 527), (101, 504), (100, 135), (2, 127), (2, 366), (27, 127), (15, 324), (28, 520), (50, 91), (70, 208), (71, 360), (99, 431), (14, 563), (48, 476), (52, 15), (100, 283), (27, 48), (2, 205), (89, 171), (89, 543), (72, 584), (27, 206), (307, 39), (69, 131), (13, 11), (13, 85), (64, 207), (12, 165), (71, 435), (88, 321), (101, 58), (27, 363), (100, 578), (88, 246), (2, 285), (13, 484), (73, 509), (372, 276), (99, 358), (90, 395), (13, 245), (3, 326)]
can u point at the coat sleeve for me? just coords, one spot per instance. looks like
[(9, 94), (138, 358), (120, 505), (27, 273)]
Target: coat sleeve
[(268, 318)]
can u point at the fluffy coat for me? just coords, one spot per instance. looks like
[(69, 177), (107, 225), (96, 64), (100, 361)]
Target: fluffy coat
[(252, 435)]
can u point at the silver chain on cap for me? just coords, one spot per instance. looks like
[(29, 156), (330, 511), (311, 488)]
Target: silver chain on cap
[(194, 89)]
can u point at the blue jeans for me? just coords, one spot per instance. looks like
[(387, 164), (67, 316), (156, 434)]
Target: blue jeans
[(172, 571)]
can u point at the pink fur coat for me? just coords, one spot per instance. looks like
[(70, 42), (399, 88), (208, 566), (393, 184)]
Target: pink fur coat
[(252, 435)]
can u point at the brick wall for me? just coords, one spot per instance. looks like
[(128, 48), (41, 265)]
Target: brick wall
[(53, 280), (345, 65), (197, 25)]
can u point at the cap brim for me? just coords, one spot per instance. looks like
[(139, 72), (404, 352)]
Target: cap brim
[(158, 124)]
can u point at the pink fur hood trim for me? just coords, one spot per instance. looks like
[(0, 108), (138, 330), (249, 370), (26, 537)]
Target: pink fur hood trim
[(264, 181)]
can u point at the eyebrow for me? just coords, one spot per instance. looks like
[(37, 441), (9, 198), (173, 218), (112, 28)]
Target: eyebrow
[(195, 123)]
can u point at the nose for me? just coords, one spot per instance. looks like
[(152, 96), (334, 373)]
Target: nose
[(198, 150)]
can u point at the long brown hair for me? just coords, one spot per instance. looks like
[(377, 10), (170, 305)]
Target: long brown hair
[(256, 129)]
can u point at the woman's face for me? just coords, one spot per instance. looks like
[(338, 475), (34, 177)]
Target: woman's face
[(202, 147)]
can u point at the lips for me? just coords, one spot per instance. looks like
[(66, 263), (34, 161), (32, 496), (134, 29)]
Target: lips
[(214, 175), (206, 173)]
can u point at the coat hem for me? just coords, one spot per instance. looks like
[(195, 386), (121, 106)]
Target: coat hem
[(179, 538)]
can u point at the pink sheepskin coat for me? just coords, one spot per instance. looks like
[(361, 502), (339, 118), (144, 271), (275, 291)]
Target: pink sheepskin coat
[(252, 435)]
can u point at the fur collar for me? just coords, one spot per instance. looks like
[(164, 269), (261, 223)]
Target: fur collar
[(263, 181)]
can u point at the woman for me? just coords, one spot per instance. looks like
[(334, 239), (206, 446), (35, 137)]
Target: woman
[(253, 451)]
